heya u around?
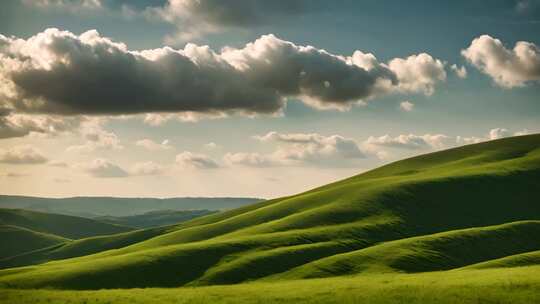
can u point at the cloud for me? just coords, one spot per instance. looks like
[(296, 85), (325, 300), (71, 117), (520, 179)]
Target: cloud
[(147, 168), (300, 148), (409, 141), (296, 149), (96, 138), (103, 168), (151, 145), (70, 6), (251, 159), (57, 72), (507, 68), (498, 133), (406, 106), (418, 73), (522, 132), (194, 18), (19, 125), (211, 146), (24, 154), (493, 134), (461, 72), (189, 160), (158, 119)]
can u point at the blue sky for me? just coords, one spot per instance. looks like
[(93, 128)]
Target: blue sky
[(267, 120)]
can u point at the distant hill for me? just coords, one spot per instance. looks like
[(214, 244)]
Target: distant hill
[(60, 225), (463, 209), (113, 206), (16, 240), (154, 218)]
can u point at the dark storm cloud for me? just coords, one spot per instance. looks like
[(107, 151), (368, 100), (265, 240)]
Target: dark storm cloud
[(59, 72)]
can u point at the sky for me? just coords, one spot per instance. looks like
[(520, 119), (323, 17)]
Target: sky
[(252, 98)]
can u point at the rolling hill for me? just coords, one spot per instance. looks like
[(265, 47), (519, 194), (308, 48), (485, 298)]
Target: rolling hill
[(154, 218), (17, 240), (463, 210), (61, 225)]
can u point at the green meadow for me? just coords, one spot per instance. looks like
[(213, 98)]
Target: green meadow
[(455, 226), (513, 285)]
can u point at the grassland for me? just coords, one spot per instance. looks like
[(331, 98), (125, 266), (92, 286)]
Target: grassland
[(61, 225), (449, 226), (17, 240), (514, 285)]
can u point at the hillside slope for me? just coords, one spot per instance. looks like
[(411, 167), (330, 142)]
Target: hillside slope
[(408, 216), (18, 240), (61, 225), (154, 218)]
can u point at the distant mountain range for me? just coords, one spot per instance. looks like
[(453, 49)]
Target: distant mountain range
[(92, 207)]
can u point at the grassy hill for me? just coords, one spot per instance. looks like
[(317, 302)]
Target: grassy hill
[(154, 218), (62, 225), (447, 211), (17, 240)]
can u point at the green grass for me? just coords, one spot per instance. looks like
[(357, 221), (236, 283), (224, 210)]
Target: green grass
[(440, 212), (18, 240), (154, 218), (518, 285), (517, 260), (61, 225)]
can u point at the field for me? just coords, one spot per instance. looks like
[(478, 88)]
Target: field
[(514, 285), (456, 226)]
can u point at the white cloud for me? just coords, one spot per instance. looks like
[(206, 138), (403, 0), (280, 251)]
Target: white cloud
[(154, 119), (158, 119), (211, 146), (418, 73), (151, 145), (410, 141), (102, 168), (461, 72), (498, 133), (147, 168), (251, 159), (300, 148), (493, 134), (19, 125), (522, 132), (96, 138), (24, 154), (507, 68), (189, 160), (406, 106), (73, 6), (467, 140), (61, 73)]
